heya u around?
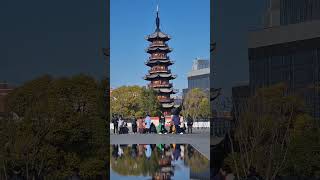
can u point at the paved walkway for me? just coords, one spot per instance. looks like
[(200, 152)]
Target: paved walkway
[(199, 140)]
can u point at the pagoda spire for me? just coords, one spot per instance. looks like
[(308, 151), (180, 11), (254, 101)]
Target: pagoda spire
[(158, 20)]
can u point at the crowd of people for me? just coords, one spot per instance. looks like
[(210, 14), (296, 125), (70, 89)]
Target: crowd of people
[(178, 125)]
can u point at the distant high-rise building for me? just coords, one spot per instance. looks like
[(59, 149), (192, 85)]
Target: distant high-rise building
[(200, 64), (199, 76), (289, 53)]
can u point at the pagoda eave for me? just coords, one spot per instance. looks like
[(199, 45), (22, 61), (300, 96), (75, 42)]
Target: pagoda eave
[(151, 77), (158, 49), (159, 61), (158, 35)]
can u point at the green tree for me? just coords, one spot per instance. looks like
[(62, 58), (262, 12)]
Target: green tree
[(131, 101), (196, 104), (303, 154), (61, 127), (149, 103)]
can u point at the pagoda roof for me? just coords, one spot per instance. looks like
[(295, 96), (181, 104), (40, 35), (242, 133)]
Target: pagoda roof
[(165, 90), (158, 35), (155, 61), (166, 48), (159, 75)]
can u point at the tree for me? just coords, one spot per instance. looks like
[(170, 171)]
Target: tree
[(131, 101), (63, 127), (149, 102), (303, 153), (263, 134), (196, 104)]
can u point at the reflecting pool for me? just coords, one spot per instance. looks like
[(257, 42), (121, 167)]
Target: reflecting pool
[(158, 162)]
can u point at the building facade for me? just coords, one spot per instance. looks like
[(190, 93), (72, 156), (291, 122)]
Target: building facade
[(289, 53), (199, 76), (159, 74), (240, 95), (297, 11), (222, 123), (285, 12)]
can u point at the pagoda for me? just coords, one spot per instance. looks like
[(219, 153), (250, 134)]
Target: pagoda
[(159, 74)]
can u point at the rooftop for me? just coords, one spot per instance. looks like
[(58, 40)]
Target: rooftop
[(158, 35)]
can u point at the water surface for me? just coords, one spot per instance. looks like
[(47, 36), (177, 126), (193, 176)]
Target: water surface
[(157, 161)]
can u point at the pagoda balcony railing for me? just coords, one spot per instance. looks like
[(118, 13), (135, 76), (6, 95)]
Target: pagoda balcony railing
[(167, 85), (164, 57), (159, 71), (158, 44)]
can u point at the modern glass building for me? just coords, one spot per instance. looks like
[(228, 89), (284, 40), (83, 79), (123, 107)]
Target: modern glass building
[(297, 11), (289, 53), (199, 76), (285, 12)]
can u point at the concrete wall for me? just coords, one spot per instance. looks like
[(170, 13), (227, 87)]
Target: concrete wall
[(284, 34)]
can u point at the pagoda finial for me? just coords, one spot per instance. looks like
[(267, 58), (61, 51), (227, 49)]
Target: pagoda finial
[(158, 19)]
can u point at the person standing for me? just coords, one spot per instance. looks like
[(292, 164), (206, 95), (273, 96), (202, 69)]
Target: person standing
[(182, 125), (120, 123), (176, 123), (134, 125), (140, 125), (147, 121), (189, 123), (115, 124), (162, 122)]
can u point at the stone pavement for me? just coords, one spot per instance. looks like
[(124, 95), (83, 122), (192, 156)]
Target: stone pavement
[(200, 139)]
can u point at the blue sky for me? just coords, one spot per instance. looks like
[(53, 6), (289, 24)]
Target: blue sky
[(187, 22)]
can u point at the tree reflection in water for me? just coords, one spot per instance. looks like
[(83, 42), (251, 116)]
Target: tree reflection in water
[(156, 161)]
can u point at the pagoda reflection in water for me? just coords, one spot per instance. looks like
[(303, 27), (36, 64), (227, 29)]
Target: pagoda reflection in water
[(158, 162)]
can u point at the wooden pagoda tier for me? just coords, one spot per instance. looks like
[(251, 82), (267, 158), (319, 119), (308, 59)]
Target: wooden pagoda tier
[(159, 74)]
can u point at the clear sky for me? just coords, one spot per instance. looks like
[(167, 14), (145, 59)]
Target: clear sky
[(187, 22)]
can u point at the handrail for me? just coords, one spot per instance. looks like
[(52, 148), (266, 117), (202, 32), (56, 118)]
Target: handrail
[(161, 85)]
